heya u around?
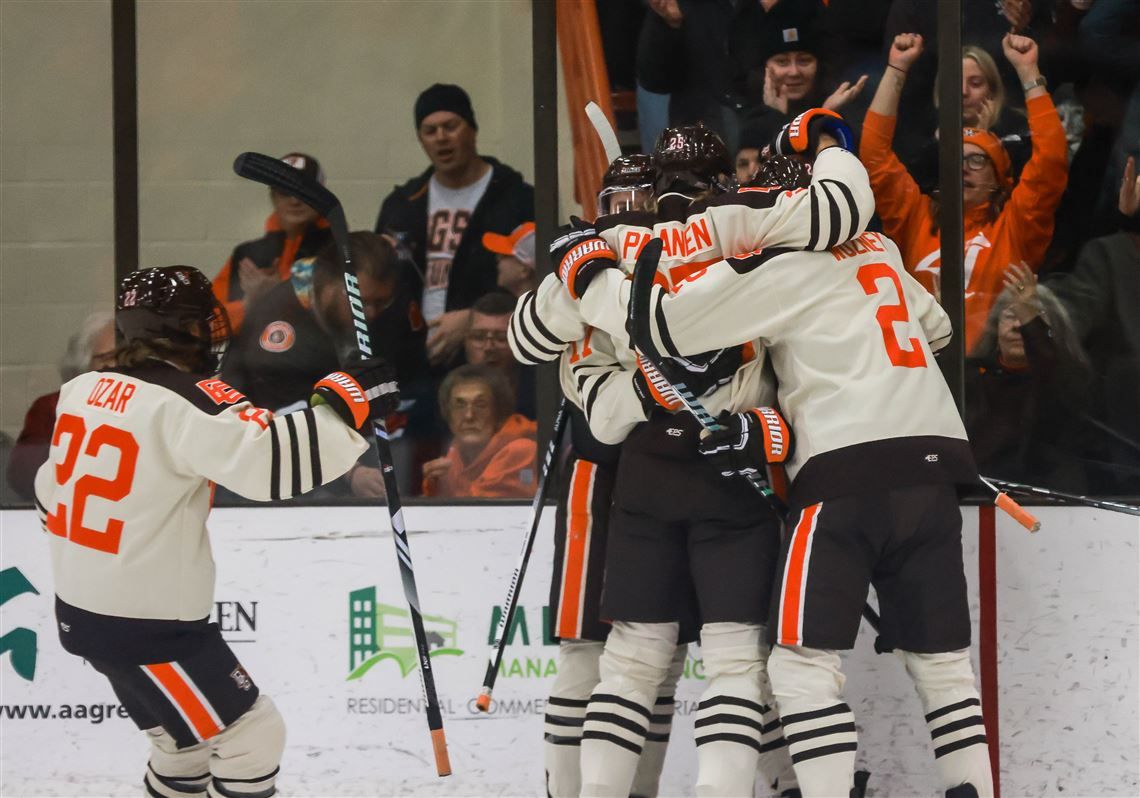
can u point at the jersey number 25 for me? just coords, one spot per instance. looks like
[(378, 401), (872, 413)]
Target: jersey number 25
[(70, 526)]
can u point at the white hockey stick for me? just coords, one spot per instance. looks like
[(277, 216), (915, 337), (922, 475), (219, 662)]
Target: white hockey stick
[(604, 130)]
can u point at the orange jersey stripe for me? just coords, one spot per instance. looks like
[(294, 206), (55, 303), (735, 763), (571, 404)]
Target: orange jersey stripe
[(577, 550), (185, 699), (795, 577)]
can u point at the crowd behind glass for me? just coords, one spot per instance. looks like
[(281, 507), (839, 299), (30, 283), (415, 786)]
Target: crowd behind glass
[(1051, 105)]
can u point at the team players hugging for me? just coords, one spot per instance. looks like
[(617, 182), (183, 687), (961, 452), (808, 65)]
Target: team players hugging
[(775, 308)]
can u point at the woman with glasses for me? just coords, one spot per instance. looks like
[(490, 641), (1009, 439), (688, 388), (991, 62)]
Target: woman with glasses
[(1004, 223), (493, 450)]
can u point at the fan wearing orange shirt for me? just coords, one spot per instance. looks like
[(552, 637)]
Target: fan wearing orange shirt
[(493, 449), (1004, 223)]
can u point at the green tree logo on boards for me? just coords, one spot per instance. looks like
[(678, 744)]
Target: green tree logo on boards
[(20, 641), (381, 631)]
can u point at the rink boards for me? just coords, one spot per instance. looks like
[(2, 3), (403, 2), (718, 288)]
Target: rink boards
[(311, 602)]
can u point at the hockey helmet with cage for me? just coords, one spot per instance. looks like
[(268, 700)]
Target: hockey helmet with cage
[(173, 310), (786, 172), (627, 185), (691, 159)]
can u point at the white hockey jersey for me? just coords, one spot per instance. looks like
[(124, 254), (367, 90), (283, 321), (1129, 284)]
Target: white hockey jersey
[(597, 377), (851, 337), (836, 207), (129, 480)]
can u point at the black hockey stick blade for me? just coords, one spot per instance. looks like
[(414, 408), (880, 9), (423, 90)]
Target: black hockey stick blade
[(279, 175), (637, 322)]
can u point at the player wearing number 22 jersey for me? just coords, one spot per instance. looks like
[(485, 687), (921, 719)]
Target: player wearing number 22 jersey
[(879, 448), (124, 496)]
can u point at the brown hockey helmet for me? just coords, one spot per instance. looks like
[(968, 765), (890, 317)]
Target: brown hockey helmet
[(786, 172), (627, 185), (691, 157), (173, 308)]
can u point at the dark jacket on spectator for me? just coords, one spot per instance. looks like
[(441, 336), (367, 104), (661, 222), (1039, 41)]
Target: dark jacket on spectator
[(692, 63), (1024, 423), (274, 251), (507, 203), (1102, 295)]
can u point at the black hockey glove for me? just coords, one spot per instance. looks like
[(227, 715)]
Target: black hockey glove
[(361, 391), (748, 442), (801, 135), (579, 255), (701, 374)]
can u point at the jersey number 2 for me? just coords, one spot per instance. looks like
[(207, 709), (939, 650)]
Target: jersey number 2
[(58, 522), (889, 313)]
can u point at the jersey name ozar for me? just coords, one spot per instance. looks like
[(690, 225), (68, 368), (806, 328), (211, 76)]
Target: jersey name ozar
[(111, 394)]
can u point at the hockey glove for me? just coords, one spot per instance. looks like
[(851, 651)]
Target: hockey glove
[(579, 255), (700, 374), (748, 442), (801, 135), (361, 391)]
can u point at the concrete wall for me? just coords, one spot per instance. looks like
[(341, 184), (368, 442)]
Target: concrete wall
[(215, 78)]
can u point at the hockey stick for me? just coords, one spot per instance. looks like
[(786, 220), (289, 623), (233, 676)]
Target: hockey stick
[(281, 176), (604, 130), (1012, 508), (1118, 507), (640, 334), (510, 604)]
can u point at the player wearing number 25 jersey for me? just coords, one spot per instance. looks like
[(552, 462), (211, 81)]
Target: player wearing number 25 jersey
[(879, 447), (124, 496)]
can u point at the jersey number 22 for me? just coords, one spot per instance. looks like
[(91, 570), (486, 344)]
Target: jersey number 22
[(70, 526)]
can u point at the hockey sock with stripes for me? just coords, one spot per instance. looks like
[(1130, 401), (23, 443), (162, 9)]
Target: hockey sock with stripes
[(819, 727), (566, 712), (648, 777), (775, 761), (953, 709), (730, 717), (633, 667), (173, 772)]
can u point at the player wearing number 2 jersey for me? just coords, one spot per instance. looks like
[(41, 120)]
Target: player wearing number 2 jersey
[(125, 493), (879, 446)]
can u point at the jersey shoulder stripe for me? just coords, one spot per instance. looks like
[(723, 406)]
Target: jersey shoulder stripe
[(743, 264), (205, 392)]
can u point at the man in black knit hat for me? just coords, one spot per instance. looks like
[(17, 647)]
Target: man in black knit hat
[(441, 215)]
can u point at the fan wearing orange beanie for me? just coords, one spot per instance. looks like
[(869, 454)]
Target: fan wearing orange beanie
[(1004, 223)]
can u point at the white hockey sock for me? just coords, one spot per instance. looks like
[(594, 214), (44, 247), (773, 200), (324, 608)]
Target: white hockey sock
[(819, 727), (633, 666), (245, 756), (730, 717), (174, 772), (566, 712), (775, 761), (648, 776), (945, 683)]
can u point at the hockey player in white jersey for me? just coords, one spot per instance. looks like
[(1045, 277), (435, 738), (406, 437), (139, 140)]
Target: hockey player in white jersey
[(649, 564), (124, 494), (588, 369), (879, 449), (705, 220)]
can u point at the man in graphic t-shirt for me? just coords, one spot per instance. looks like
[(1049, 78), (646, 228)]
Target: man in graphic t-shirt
[(440, 216)]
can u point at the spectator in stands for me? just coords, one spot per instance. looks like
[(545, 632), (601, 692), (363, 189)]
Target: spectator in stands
[(1027, 389), (792, 81), (1004, 223), (90, 349), (486, 345), (752, 141), (493, 451), (1102, 295), (515, 253), (441, 215), (292, 231), (303, 325)]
